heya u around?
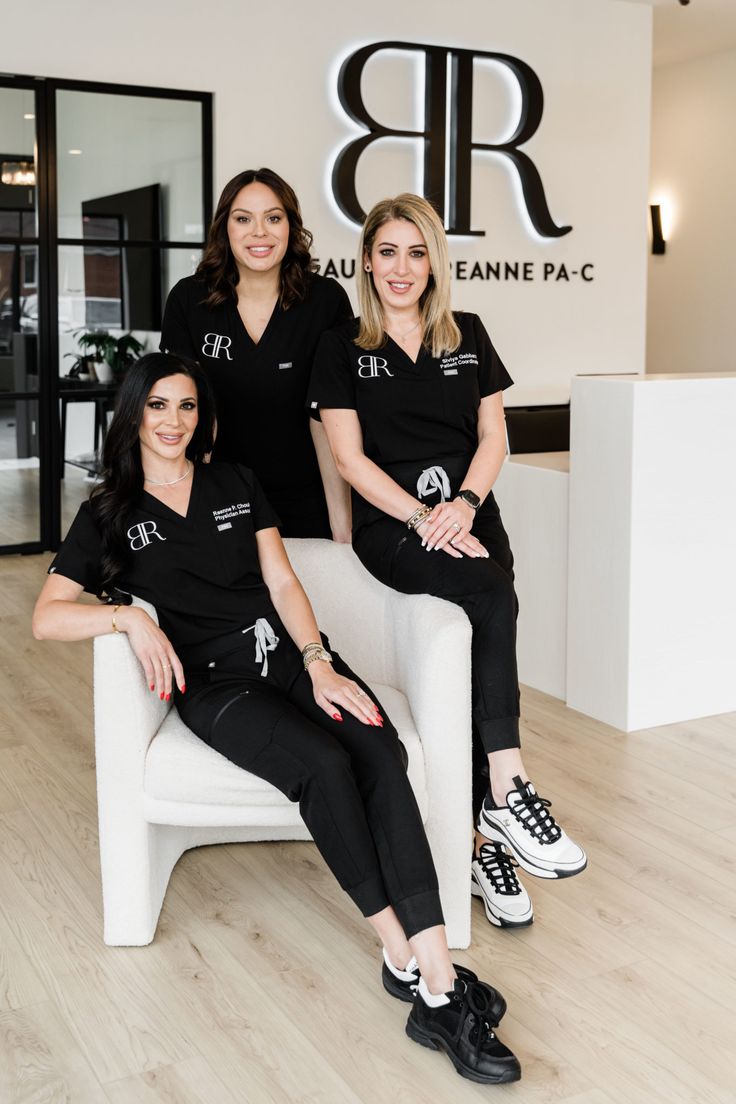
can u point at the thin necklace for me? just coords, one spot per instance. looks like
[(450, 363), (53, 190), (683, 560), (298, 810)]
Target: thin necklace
[(403, 337), (170, 482)]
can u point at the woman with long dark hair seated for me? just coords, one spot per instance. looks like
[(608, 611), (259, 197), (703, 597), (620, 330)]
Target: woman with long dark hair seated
[(252, 316), (239, 648), (411, 398)]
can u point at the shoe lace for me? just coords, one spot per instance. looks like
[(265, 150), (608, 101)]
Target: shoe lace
[(500, 868), (531, 812), (475, 1005)]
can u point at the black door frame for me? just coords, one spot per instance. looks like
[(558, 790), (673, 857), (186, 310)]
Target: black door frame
[(47, 243)]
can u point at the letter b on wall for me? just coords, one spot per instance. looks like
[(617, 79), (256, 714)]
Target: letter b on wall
[(452, 202)]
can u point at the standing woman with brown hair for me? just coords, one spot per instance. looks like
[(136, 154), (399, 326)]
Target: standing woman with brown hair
[(252, 316)]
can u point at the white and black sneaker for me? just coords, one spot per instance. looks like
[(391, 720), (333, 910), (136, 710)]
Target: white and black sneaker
[(493, 879), (402, 984), (530, 832)]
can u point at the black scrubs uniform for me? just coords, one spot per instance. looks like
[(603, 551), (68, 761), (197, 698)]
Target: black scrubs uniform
[(420, 425), (249, 697), (260, 389)]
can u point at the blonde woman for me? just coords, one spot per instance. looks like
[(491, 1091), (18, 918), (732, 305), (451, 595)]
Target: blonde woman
[(410, 395)]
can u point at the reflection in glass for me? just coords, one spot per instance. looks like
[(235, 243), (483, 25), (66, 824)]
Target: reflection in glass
[(133, 160), (19, 471), (17, 163), (18, 317), (116, 289)]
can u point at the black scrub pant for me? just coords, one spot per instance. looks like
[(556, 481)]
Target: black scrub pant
[(349, 778), (484, 588)]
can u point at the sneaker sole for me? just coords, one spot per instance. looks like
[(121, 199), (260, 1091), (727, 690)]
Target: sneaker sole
[(492, 831), (493, 918), (436, 1042)]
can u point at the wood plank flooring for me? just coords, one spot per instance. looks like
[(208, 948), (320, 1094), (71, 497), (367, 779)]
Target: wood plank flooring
[(262, 985)]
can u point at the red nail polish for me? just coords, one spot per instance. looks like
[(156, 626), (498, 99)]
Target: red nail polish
[(183, 689), (336, 717), (151, 686), (161, 695), (168, 697)]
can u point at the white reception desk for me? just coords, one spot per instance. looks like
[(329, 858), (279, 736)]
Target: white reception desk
[(626, 567)]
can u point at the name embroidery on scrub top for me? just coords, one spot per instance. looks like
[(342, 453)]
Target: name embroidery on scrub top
[(236, 509), (214, 343), (450, 364), (142, 534)]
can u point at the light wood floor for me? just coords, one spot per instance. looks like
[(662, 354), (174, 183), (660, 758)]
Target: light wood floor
[(263, 983)]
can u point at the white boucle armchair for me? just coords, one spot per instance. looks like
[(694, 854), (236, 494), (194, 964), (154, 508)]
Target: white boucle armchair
[(161, 790)]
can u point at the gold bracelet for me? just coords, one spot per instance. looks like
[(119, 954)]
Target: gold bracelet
[(115, 628), (420, 515), (315, 654)]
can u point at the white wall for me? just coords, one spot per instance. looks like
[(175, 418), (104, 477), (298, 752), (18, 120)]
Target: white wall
[(273, 73), (691, 316)]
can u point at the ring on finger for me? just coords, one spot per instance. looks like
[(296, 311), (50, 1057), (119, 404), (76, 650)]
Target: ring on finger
[(360, 692), (456, 526)]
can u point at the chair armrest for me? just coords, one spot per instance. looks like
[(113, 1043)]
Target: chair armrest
[(127, 714), (350, 605), (430, 664)]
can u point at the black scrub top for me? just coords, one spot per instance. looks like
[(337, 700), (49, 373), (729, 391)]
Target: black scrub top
[(412, 416), (201, 572), (260, 389)]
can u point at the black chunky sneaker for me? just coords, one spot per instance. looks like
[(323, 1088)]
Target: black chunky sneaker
[(493, 879), (463, 1029), (527, 828), (405, 989)]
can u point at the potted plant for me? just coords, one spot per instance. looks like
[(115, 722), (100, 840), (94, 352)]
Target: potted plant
[(103, 356), (121, 352)]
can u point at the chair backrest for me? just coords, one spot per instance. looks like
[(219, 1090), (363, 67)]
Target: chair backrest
[(350, 605)]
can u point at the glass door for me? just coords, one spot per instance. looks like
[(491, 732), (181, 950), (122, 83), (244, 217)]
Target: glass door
[(20, 451), (108, 205)]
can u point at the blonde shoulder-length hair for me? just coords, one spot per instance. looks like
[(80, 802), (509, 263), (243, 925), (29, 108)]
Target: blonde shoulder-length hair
[(440, 330)]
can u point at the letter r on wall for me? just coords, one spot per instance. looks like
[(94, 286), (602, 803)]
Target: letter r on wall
[(455, 208)]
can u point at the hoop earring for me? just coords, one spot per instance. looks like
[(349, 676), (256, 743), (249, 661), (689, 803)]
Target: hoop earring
[(367, 268)]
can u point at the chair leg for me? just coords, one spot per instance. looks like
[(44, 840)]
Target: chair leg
[(451, 846), (135, 873)]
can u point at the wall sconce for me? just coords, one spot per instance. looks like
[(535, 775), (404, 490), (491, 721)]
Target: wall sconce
[(659, 245), (22, 173)]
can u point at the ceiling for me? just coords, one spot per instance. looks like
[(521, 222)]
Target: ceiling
[(681, 33)]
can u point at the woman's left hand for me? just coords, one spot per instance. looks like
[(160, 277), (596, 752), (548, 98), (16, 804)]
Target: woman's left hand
[(333, 692), (450, 523)]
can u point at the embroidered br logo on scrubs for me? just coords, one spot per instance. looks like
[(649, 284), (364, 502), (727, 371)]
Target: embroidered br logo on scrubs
[(369, 367), (214, 342), (142, 534)]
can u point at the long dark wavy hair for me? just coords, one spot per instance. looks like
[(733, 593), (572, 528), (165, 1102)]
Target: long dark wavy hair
[(218, 270), (122, 481)]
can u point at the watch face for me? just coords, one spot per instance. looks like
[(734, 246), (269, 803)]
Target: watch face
[(471, 498)]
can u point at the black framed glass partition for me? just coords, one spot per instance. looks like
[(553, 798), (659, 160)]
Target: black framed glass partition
[(108, 197), (20, 431)]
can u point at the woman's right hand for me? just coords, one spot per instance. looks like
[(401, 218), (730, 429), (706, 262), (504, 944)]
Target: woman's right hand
[(465, 545), (153, 649)]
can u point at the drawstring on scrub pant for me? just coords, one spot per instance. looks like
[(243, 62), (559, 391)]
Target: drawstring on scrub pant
[(434, 479), (266, 641)]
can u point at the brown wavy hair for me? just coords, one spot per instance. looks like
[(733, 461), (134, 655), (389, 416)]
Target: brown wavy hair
[(218, 270)]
